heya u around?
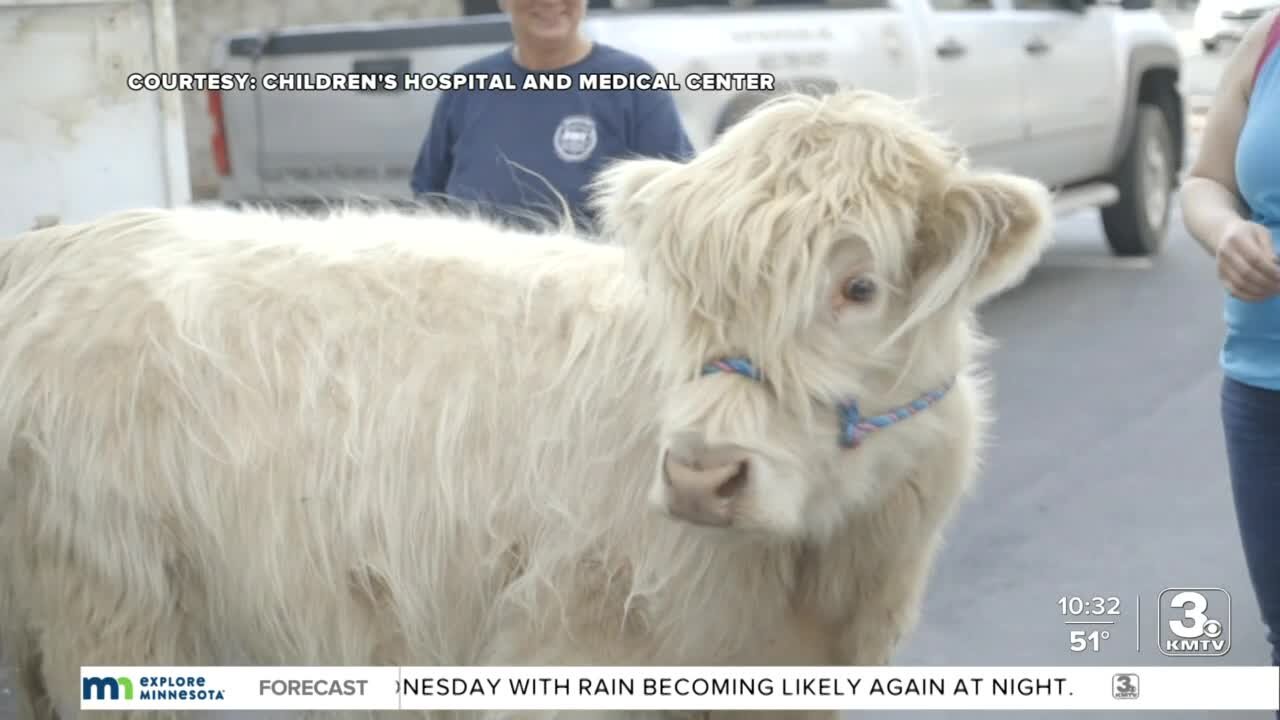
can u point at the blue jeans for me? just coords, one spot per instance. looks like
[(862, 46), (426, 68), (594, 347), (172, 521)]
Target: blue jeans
[(1251, 424)]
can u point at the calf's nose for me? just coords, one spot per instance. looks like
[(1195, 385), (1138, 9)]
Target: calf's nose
[(702, 489)]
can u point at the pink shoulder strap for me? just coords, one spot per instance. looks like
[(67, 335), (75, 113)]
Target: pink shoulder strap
[(1273, 39)]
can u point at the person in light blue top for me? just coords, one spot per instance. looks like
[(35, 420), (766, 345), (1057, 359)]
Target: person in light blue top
[(505, 152), (1231, 205), (1251, 352)]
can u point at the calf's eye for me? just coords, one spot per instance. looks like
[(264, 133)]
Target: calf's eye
[(859, 289)]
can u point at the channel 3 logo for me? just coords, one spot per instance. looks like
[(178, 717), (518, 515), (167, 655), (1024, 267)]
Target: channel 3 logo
[(1195, 622), (1124, 686)]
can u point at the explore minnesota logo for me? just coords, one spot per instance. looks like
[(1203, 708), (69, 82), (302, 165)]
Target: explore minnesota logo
[(143, 690), (105, 688)]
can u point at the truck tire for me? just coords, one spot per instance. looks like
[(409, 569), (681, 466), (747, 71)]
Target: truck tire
[(1136, 225)]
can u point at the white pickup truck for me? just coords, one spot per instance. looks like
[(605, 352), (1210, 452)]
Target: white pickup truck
[(1077, 93)]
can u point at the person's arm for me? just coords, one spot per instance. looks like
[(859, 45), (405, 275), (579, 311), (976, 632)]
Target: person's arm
[(435, 157), (1210, 196), (1212, 208), (658, 131)]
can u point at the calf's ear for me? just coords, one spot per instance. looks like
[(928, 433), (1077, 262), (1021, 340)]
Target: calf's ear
[(987, 230), (623, 193)]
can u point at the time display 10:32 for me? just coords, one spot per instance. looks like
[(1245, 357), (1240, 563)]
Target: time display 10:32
[(1097, 605)]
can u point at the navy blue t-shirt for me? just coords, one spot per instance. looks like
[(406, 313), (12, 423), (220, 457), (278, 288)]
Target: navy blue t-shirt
[(482, 144)]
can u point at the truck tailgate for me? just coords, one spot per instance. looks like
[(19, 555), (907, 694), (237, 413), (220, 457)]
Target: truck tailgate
[(336, 143)]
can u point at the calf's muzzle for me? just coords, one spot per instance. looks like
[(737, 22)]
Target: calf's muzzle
[(703, 488)]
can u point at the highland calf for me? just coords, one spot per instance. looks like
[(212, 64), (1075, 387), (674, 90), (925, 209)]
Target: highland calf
[(730, 433)]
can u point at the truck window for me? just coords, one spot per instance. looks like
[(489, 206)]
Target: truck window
[(479, 7), (957, 5), (490, 7), (642, 5), (656, 4), (843, 4)]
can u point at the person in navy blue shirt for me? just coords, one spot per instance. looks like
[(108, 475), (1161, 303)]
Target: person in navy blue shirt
[(499, 150)]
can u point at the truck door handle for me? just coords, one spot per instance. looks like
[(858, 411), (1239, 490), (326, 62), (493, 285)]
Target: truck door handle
[(950, 49), (1037, 46), (398, 66)]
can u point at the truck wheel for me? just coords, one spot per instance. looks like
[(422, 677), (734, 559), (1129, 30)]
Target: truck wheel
[(1136, 225)]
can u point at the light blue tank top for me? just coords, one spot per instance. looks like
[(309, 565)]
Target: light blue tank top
[(1251, 349)]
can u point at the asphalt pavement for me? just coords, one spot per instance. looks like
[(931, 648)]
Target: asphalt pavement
[(1106, 476)]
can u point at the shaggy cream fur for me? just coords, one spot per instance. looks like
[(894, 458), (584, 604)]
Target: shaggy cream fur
[(375, 438)]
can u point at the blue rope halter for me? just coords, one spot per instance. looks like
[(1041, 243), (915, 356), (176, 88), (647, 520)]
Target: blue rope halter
[(853, 426)]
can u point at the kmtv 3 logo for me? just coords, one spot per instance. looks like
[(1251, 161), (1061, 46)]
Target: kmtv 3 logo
[(106, 688), (1195, 622), (1124, 686)]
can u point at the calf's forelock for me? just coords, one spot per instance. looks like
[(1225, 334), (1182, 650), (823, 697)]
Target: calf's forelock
[(734, 247)]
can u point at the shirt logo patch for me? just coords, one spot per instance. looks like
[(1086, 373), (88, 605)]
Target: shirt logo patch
[(575, 138)]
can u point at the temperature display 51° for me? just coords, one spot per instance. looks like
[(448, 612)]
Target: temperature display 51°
[(1089, 620)]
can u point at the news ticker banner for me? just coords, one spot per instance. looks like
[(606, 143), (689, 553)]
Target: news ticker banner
[(680, 688)]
